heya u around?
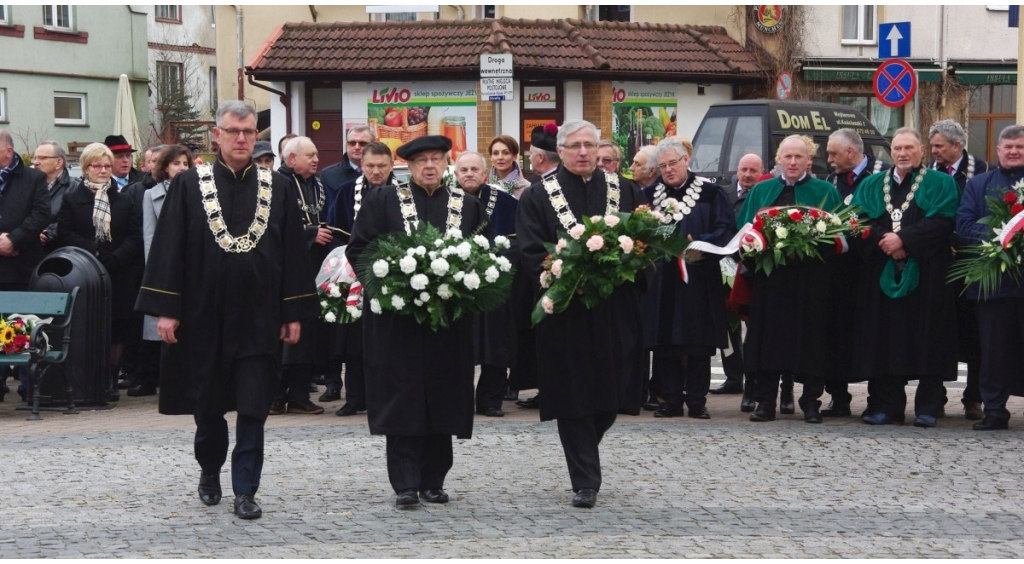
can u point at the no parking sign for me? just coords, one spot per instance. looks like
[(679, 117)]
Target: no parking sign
[(895, 83)]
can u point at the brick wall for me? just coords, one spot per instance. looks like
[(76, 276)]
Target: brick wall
[(484, 125), (597, 105)]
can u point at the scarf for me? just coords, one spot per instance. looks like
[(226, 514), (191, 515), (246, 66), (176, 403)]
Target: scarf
[(100, 210), (7, 170), (513, 183)]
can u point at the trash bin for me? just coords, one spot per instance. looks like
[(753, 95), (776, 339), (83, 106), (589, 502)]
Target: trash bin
[(88, 364)]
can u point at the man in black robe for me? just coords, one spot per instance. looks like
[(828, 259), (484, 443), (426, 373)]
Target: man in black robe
[(947, 139), (419, 382), (906, 313), (298, 361), (589, 361), (227, 288), (685, 320)]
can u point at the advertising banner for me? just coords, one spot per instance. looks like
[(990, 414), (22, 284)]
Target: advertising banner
[(401, 112), (642, 114)]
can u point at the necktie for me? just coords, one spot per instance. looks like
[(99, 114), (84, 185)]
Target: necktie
[(850, 177), (949, 169), (121, 182)]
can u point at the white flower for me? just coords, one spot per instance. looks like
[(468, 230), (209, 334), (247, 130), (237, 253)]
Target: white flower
[(409, 253), (560, 245), (503, 264), (464, 250), (323, 303), (556, 268), (482, 241), (439, 266), (836, 220), (545, 280), (595, 218), (419, 281), (424, 297), (432, 255), (577, 231), (548, 305), (820, 226), (397, 302), (444, 292), (380, 268), (384, 290), (333, 291), (417, 302), (375, 306), (491, 275), (611, 220), (438, 242), (781, 232), (408, 263), (355, 312), (453, 234), (791, 211), (330, 317), (458, 276), (421, 250), (779, 245), (501, 242), (472, 281), (447, 251)]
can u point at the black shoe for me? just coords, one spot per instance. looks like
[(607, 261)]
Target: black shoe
[(669, 412), (730, 386), (330, 395), (532, 403), (747, 404), (972, 411), (304, 407), (320, 380), (811, 411), (700, 413), (278, 407), (247, 508), (836, 410), (142, 390), (407, 499), (786, 404), (653, 405), (313, 388), (764, 412), (348, 409), (124, 384), (511, 395), (209, 489), (434, 495), (586, 497), (490, 412), (990, 423)]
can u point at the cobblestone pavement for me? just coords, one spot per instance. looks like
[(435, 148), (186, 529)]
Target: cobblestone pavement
[(121, 483)]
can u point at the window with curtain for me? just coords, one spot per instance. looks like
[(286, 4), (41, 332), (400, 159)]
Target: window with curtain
[(168, 13), (858, 25), (887, 120), (57, 17), (992, 107)]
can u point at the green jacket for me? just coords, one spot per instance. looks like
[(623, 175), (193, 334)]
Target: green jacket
[(809, 192)]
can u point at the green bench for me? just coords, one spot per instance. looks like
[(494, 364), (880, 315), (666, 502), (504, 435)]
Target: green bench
[(37, 358)]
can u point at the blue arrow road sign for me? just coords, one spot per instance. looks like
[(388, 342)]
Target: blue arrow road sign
[(894, 40)]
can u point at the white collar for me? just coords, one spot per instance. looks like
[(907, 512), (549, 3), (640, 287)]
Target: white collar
[(860, 167), (956, 165)]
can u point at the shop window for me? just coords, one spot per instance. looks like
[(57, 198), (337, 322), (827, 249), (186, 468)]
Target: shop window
[(993, 107), (69, 108), (887, 120), (58, 17), (170, 14), (858, 23)]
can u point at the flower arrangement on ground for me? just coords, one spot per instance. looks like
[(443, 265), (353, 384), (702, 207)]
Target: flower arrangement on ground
[(15, 335), (341, 294), (795, 232), (987, 263), (435, 278), (602, 252)]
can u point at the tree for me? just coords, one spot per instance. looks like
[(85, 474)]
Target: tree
[(176, 88)]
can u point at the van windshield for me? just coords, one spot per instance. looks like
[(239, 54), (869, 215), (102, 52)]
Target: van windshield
[(707, 145), (747, 137)]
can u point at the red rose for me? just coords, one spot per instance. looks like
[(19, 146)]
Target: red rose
[(1010, 197), (758, 225), (864, 234), (814, 214), (1016, 209), (773, 212), (796, 215)]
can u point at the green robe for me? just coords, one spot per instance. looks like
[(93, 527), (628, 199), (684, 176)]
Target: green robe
[(813, 192)]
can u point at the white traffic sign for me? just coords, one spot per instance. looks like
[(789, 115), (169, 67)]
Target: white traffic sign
[(495, 65), (490, 87)]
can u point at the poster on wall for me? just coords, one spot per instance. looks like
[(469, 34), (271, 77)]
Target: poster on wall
[(642, 114), (540, 98), (401, 112)]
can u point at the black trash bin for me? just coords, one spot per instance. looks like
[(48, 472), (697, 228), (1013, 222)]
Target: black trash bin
[(88, 364)]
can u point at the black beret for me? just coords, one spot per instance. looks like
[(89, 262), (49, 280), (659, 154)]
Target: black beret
[(426, 143), (544, 137), (118, 144)]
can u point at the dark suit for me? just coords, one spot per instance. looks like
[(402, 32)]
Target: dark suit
[(24, 213), (733, 363), (333, 178), (60, 186)]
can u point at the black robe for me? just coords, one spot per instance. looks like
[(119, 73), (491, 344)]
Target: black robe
[(692, 314), (494, 333), (231, 305), (418, 381), (589, 361)]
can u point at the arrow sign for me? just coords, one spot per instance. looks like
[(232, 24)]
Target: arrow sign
[(895, 83), (895, 40)]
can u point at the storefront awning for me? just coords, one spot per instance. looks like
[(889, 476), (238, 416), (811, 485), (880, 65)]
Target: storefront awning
[(1004, 74), (863, 72)]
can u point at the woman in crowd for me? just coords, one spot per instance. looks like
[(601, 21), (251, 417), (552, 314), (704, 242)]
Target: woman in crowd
[(505, 170)]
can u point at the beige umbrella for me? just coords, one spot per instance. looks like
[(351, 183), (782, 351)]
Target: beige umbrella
[(125, 122)]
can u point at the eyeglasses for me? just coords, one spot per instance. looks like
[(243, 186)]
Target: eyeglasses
[(247, 133), (574, 147), (670, 164), (101, 166), (607, 160), (358, 143)]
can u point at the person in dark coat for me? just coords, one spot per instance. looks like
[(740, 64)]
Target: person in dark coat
[(1000, 315), (96, 217), (685, 320), (49, 158), (590, 362), (24, 214), (124, 173), (227, 289), (947, 140), (906, 313), (786, 332), (494, 334), (419, 382), (349, 168), (850, 167)]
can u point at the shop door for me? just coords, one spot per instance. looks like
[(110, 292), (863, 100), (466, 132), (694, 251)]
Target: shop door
[(541, 103), (323, 121)]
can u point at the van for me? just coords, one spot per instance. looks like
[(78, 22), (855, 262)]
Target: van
[(733, 129)]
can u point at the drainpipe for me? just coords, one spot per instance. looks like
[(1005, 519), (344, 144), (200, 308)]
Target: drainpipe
[(286, 99), (241, 52), (460, 14), (943, 64)]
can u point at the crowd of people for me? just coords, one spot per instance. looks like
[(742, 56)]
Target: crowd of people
[(214, 302)]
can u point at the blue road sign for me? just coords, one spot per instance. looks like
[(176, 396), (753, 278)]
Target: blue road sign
[(894, 40), (895, 83)]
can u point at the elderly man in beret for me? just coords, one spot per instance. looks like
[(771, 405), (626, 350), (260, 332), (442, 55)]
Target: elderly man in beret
[(419, 382)]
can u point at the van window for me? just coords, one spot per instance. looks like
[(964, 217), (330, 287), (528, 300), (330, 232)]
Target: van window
[(879, 152), (747, 137), (707, 146)]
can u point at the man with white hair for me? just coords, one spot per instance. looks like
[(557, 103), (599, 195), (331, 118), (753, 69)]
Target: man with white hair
[(645, 166), (786, 331), (589, 361)]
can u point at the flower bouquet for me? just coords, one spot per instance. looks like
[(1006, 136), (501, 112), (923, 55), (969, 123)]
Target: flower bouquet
[(15, 335), (437, 279), (987, 263), (602, 252), (778, 233), (341, 294)]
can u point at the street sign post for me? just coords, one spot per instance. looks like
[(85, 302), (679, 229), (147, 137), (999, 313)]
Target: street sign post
[(495, 65), (502, 88), (784, 85), (895, 83), (894, 40)]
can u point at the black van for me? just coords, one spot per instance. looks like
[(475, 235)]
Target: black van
[(733, 129)]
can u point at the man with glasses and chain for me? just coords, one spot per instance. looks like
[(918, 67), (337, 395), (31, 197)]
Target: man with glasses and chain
[(228, 277), (589, 361)]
